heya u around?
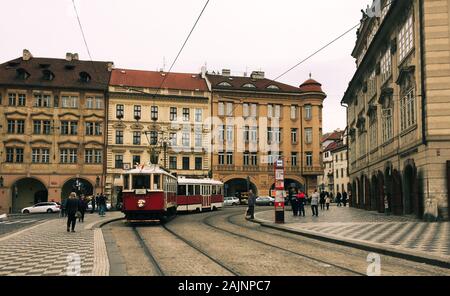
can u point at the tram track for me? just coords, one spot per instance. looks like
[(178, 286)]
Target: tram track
[(148, 253), (206, 222)]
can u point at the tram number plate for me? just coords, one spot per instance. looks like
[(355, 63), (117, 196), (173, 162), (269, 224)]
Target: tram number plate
[(141, 191)]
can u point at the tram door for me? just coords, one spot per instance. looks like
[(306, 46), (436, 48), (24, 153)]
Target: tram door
[(206, 196)]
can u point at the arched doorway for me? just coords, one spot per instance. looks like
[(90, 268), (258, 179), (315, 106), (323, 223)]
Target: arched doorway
[(374, 194), (237, 186), (291, 184), (357, 194), (397, 200), (27, 192), (380, 193), (367, 197), (411, 191), (77, 185), (350, 190)]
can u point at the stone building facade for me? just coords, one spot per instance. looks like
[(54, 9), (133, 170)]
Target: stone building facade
[(52, 120), (398, 107), (156, 108), (256, 121)]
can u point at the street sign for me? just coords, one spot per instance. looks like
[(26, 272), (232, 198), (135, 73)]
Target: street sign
[(279, 191), (279, 174)]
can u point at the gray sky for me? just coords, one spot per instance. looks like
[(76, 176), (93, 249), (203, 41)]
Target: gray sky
[(241, 35)]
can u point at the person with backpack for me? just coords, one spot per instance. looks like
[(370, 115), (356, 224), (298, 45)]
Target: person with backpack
[(301, 201)]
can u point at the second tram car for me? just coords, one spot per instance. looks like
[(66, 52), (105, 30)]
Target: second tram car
[(199, 195), (149, 193)]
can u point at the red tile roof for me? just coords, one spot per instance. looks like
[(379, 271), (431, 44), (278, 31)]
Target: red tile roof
[(334, 136), (219, 82), (311, 85), (153, 79)]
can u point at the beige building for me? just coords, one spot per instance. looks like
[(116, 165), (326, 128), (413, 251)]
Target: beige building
[(330, 141), (398, 108), (52, 120), (175, 116), (257, 121)]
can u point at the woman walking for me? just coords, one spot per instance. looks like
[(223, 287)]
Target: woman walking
[(72, 209), (82, 208)]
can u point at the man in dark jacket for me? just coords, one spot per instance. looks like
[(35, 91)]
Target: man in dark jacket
[(344, 198), (72, 208), (251, 204)]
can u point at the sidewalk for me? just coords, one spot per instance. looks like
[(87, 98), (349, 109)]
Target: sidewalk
[(400, 236), (48, 249)]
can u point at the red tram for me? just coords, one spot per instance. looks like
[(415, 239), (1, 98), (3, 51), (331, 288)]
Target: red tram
[(150, 193)]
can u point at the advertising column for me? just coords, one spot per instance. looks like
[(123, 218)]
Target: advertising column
[(279, 191)]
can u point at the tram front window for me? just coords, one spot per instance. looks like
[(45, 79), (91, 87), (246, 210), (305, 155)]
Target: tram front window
[(126, 182), (141, 182)]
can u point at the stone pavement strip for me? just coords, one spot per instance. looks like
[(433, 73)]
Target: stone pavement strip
[(48, 249), (397, 234)]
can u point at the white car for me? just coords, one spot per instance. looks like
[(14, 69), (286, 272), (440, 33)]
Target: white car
[(42, 207), (230, 201), (265, 201)]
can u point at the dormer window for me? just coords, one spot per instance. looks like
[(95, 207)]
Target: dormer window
[(225, 84), (22, 73), (85, 77), (249, 85), (48, 75), (273, 87)]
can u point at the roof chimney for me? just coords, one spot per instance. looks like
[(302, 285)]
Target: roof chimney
[(226, 72), (257, 75), (204, 71), (26, 55), (75, 57), (110, 67), (68, 57)]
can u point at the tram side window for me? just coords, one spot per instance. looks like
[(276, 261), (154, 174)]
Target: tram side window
[(190, 189), (156, 182), (214, 187), (197, 190), (219, 190), (141, 182), (182, 190), (126, 182)]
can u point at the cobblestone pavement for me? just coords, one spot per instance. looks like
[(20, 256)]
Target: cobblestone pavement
[(15, 223), (48, 249), (399, 232)]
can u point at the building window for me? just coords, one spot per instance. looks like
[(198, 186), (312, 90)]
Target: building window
[(198, 163), (337, 174), (408, 110), (11, 126), (273, 135), (246, 134), (136, 138), (186, 139), (229, 158), (137, 112), (93, 129), (172, 162), (387, 124), (294, 112), (186, 161), (230, 133), (19, 155), (69, 101), (22, 100), (308, 135), (37, 127), (69, 127), (173, 139), (119, 137), (12, 99), (221, 108), (10, 155), (373, 132), (294, 156), (198, 115), (98, 156), (198, 139), (245, 110), (119, 111), (20, 126), (309, 159), (94, 102), (68, 155), (173, 113), (118, 161), (254, 159), (186, 116), (221, 134), (406, 39), (342, 173), (153, 138), (386, 66), (136, 160), (229, 109), (362, 144), (253, 110), (253, 134), (246, 158), (294, 135), (89, 156), (154, 111), (221, 158), (308, 112), (42, 100), (372, 85)]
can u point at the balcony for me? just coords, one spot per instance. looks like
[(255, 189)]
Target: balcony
[(313, 171)]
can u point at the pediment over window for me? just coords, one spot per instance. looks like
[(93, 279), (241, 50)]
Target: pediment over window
[(16, 113), (385, 93), (137, 126), (68, 143), (94, 116), (372, 109), (41, 114), (68, 114), (93, 143), (405, 72), (361, 123), (40, 141), (16, 141), (119, 125)]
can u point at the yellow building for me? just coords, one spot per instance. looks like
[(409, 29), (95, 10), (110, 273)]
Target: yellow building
[(255, 122), (398, 108), (52, 129), (175, 117)]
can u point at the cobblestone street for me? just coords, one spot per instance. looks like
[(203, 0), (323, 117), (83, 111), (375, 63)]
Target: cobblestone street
[(47, 249), (402, 233)]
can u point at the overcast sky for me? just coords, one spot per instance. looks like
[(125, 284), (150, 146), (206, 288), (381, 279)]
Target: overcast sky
[(241, 35)]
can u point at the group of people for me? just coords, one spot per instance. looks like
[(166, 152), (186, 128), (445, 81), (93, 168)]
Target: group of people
[(299, 200), (75, 208)]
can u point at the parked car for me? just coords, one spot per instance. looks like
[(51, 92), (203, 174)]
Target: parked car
[(42, 207), (231, 201), (265, 201)]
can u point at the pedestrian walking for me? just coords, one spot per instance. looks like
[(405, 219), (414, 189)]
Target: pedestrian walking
[(294, 203), (322, 200), (251, 204), (93, 201), (315, 203), (101, 203), (63, 208), (72, 209), (339, 199), (344, 198), (82, 205), (301, 201), (327, 202)]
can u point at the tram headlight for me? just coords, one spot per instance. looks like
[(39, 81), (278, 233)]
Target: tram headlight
[(141, 203)]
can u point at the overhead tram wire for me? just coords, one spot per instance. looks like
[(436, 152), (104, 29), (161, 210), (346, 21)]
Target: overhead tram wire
[(327, 45)]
